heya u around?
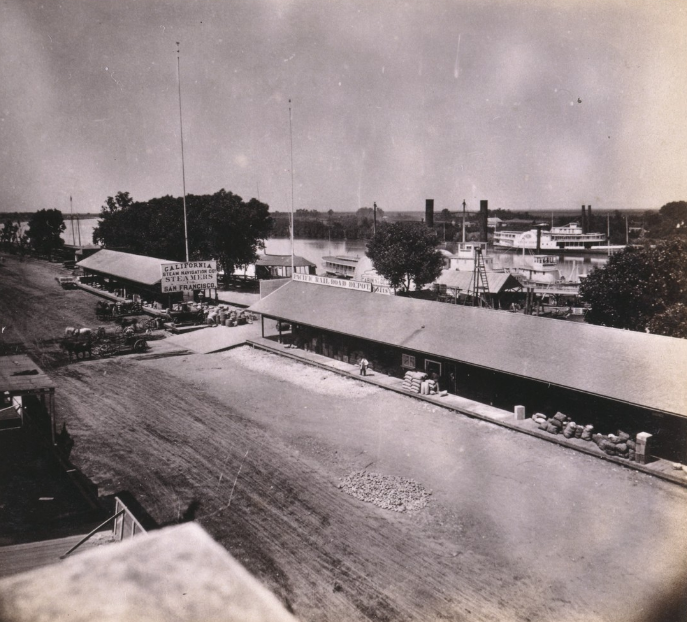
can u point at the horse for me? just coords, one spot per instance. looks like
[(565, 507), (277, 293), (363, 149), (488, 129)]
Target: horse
[(124, 322), (77, 341), (76, 348)]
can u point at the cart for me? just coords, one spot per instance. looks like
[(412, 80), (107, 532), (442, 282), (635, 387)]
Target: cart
[(109, 344)]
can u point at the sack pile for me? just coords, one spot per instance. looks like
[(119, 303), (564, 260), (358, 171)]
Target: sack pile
[(412, 381), (619, 444)]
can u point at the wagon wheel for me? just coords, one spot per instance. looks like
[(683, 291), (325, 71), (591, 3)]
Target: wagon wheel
[(106, 349), (140, 345)]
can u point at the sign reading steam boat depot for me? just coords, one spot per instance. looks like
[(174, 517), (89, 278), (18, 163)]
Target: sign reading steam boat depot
[(188, 276)]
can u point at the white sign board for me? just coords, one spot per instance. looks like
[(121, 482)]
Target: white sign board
[(188, 276), (325, 280)]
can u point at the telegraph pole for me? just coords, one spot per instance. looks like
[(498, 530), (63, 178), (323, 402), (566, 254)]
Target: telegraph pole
[(463, 221), (71, 210), (183, 170), (292, 222)]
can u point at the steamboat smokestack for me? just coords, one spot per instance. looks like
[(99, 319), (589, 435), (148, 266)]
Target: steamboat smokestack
[(590, 223), (483, 219), (584, 219), (538, 239), (429, 212)]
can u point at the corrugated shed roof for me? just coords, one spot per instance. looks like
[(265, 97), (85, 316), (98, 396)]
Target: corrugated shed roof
[(496, 281), (19, 373), (137, 268), (283, 260), (637, 368)]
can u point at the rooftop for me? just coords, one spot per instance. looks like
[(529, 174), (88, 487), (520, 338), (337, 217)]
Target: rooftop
[(178, 573), (127, 266), (19, 374), (630, 367), (282, 260), (462, 280)]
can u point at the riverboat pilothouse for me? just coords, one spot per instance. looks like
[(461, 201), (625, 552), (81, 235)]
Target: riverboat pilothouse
[(569, 237)]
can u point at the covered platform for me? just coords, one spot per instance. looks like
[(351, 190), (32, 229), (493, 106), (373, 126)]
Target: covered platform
[(130, 277), (599, 375)]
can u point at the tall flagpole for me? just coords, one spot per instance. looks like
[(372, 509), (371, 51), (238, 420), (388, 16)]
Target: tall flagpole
[(292, 221), (71, 211), (463, 221), (183, 170)]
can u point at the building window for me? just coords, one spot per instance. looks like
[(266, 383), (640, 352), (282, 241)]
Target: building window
[(433, 367), (407, 361)]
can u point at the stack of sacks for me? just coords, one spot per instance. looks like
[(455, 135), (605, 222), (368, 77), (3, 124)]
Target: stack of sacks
[(412, 381), (620, 444)]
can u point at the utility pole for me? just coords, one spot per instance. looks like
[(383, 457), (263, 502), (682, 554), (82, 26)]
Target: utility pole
[(292, 222), (463, 221), (183, 170), (71, 211)]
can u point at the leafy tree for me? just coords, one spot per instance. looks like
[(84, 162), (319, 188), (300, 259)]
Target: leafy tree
[(45, 229), (220, 226), (671, 220), (672, 322), (405, 252), (9, 235), (639, 287), (369, 213)]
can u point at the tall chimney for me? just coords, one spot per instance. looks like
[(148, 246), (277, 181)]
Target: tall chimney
[(590, 224), (429, 212), (584, 220), (374, 221), (483, 216), (538, 239)]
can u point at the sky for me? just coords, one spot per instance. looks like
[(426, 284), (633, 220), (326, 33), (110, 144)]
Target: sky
[(529, 104)]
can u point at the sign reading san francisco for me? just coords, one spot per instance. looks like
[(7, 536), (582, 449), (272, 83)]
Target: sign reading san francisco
[(188, 276)]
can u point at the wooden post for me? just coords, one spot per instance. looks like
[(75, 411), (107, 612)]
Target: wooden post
[(262, 326), (51, 408)]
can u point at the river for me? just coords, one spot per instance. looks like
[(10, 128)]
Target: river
[(570, 266)]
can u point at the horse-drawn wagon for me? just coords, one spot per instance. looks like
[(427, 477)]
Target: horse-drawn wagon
[(124, 342), (186, 315), (82, 341), (106, 310), (66, 282)]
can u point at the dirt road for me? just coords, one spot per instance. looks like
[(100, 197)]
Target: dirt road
[(253, 447)]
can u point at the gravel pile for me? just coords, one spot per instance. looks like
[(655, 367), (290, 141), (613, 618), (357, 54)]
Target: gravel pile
[(387, 492)]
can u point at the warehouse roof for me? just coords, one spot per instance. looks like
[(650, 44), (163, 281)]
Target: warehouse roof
[(632, 367), (19, 374), (496, 281), (282, 260), (137, 268)]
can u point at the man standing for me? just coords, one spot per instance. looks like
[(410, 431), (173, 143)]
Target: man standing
[(363, 366)]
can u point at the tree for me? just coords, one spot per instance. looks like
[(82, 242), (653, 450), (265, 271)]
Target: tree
[(671, 220), (405, 252), (672, 322), (9, 235), (45, 228), (369, 214), (220, 226), (639, 287)]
